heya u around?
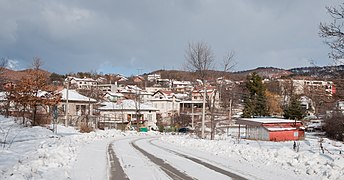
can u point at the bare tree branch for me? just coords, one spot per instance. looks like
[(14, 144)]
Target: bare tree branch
[(228, 62), (37, 63), (333, 33), (200, 59)]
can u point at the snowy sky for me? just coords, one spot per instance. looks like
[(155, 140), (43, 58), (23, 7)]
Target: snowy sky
[(131, 37)]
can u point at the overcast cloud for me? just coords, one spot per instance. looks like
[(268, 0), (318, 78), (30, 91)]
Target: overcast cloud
[(122, 36)]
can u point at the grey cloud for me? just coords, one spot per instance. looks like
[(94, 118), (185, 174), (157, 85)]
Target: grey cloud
[(75, 35)]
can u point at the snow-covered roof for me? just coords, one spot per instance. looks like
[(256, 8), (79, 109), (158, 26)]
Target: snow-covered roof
[(39, 94), (190, 102), (165, 99), (82, 79), (73, 95), (269, 120), (181, 82), (42, 93), (126, 105), (181, 96), (280, 128), (261, 121), (115, 94)]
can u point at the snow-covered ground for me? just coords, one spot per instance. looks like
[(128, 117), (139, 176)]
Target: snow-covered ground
[(37, 153), (270, 160)]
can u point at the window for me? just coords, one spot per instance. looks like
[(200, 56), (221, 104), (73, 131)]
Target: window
[(149, 117)]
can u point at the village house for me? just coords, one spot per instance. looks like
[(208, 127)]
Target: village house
[(78, 106), (166, 103), (81, 83), (126, 112), (192, 108), (135, 93), (113, 96), (106, 87), (271, 129), (153, 77), (308, 105), (302, 85), (211, 93), (181, 86)]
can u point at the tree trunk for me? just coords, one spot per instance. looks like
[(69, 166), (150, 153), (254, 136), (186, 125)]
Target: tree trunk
[(34, 115), (7, 108), (212, 123), (24, 114)]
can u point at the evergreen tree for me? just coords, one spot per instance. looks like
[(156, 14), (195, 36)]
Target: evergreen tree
[(255, 101), (294, 109)]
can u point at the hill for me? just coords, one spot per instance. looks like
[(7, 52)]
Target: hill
[(15, 76), (265, 72), (320, 72)]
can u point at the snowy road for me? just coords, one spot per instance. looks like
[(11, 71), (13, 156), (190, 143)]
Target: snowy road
[(148, 158)]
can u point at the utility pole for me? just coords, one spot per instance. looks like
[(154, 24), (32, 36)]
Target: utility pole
[(67, 105), (230, 111), (192, 115), (203, 110)]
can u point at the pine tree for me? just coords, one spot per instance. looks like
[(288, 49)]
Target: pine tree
[(255, 102), (294, 109)]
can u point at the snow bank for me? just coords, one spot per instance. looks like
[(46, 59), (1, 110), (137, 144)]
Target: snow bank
[(308, 163), (37, 153)]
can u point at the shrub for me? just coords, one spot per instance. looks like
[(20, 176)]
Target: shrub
[(334, 126), (84, 128)]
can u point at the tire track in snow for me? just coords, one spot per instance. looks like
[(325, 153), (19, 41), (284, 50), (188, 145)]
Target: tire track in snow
[(135, 164), (116, 171), (167, 168), (210, 166)]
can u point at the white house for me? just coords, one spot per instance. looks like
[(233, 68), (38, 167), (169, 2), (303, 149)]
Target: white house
[(307, 104), (127, 111), (82, 83), (182, 86), (107, 87), (78, 104), (326, 87), (153, 77), (166, 103), (113, 96)]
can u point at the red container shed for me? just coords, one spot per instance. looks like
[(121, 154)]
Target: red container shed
[(271, 129)]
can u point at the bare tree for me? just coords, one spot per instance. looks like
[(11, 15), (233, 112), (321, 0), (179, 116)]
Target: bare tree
[(37, 63), (333, 32), (200, 59), (3, 64), (228, 62)]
